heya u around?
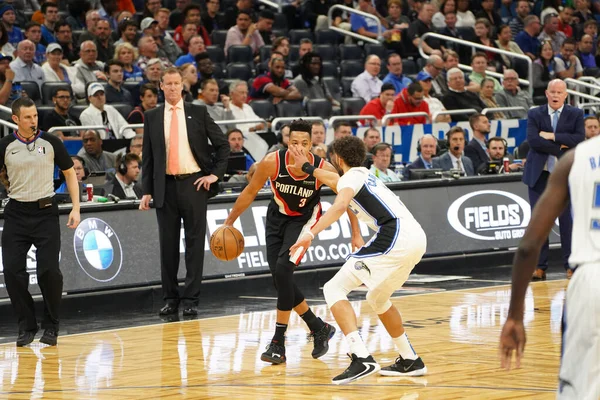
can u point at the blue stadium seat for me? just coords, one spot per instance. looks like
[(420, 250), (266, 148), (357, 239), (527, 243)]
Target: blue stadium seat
[(318, 108), (331, 68), (218, 37), (327, 36), (350, 52), (288, 109), (296, 35), (240, 54), (263, 108), (216, 53), (326, 51), (352, 105), (351, 68), (239, 71), (347, 86)]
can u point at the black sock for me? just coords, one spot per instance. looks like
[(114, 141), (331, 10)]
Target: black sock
[(314, 323), (279, 336)]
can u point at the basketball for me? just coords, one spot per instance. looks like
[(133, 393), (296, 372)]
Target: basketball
[(226, 243)]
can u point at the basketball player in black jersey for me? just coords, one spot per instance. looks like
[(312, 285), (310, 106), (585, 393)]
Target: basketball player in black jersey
[(295, 207)]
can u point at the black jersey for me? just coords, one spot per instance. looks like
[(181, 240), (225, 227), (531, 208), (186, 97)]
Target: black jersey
[(295, 195)]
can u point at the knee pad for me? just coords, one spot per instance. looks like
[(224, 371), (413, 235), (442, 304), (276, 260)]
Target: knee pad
[(285, 287), (337, 289), (379, 301)]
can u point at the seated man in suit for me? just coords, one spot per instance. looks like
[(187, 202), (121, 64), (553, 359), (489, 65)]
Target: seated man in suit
[(427, 147), (454, 158), (124, 183), (458, 97), (496, 149), (476, 149)]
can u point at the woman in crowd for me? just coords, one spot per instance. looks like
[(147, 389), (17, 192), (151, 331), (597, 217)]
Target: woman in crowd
[(439, 18), (483, 33), (544, 69), (487, 96), (54, 70), (505, 42), (190, 78), (127, 54), (465, 17)]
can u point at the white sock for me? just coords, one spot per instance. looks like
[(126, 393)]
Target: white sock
[(357, 346), (405, 348)]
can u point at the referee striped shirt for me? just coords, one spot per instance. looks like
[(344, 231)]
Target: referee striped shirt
[(30, 165)]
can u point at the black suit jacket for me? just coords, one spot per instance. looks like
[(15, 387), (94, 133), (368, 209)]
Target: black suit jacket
[(417, 164), (476, 153), (200, 128), (118, 191)]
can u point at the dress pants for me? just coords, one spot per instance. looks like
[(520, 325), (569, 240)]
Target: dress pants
[(25, 224), (565, 220), (182, 201)]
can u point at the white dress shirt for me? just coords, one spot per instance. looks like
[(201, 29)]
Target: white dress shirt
[(366, 86), (255, 145), (187, 162), (93, 116), (127, 189), (455, 164)]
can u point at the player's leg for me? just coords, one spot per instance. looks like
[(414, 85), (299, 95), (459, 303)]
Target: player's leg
[(336, 295), (580, 362)]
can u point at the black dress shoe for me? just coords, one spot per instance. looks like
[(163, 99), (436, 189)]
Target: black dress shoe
[(190, 311), (169, 309), (50, 337), (26, 337)]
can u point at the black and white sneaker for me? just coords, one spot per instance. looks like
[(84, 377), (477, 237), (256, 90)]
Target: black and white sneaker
[(321, 340), (404, 367), (275, 354), (359, 368)]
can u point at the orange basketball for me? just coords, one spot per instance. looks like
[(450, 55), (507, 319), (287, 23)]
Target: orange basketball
[(226, 243)]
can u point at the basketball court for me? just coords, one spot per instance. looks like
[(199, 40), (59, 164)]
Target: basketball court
[(454, 324)]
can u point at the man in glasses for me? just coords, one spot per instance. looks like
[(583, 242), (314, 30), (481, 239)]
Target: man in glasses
[(61, 115), (513, 96)]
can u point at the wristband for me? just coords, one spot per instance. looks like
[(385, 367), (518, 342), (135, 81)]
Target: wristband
[(308, 168), (310, 234)]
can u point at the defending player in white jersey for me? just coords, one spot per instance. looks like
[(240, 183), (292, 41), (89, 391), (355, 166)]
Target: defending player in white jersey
[(383, 264), (578, 171)]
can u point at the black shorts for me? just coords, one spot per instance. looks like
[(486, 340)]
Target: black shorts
[(282, 231)]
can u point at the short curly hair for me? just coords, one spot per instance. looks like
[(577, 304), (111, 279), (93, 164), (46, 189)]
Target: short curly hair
[(300, 125), (350, 149)]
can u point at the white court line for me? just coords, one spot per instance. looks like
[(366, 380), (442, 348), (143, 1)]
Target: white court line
[(237, 315), (483, 280), (275, 298)]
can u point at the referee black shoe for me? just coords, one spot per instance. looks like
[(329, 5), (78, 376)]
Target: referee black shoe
[(26, 337), (321, 340), (359, 368), (50, 337), (275, 354), (404, 367)]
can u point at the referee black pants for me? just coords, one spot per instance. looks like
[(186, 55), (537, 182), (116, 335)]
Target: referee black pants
[(25, 224)]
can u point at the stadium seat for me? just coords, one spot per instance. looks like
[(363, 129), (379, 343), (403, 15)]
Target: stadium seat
[(318, 108), (333, 84), (48, 89), (294, 55), (409, 67), (288, 109), (239, 71), (265, 53), (78, 109), (43, 111), (351, 68), (351, 52), (326, 51), (123, 108), (216, 54), (240, 54), (280, 22), (279, 32), (347, 86), (377, 49), (421, 63), (32, 89), (327, 36), (218, 37), (219, 71), (352, 105), (131, 86), (296, 35), (330, 68), (263, 108)]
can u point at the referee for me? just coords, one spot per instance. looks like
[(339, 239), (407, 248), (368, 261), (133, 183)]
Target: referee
[(31, 218)]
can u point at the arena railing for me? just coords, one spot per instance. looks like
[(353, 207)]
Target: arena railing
[(274, 4), (279, 120), (337, 118), (387, 117), (129, 126), (582, 82), (353, 34), (486, 111), (454, 112), (6, 124), (590, 105), (484, 48), (75, 128)]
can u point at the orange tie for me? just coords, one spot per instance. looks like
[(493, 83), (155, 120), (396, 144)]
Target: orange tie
[(173, 156)]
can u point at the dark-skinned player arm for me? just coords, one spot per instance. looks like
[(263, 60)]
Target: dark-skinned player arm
[(551, 204), (264, 170)]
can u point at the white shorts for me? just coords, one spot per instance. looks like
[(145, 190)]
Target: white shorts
[(579, 376), (389, 271)]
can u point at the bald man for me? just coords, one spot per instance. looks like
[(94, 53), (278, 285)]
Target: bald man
[(552, 130), (24, 67)]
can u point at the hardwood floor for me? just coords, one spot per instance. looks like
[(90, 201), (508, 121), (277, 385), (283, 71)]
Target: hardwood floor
[(456, 333)]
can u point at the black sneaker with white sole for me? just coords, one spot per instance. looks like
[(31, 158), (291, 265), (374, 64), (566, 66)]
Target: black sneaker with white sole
[(404, 367), (359, 368), (275, 354), (321, 340)]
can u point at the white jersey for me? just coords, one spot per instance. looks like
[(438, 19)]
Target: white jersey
[(584, 185), (373, 203)]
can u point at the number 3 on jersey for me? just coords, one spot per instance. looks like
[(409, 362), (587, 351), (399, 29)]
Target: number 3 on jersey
[(302, 202)]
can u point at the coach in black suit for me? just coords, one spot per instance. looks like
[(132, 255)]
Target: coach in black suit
[(551, 130), (476, 149), (178, 172)]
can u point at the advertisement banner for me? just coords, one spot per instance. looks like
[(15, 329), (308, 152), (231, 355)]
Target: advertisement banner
[(119, 248)]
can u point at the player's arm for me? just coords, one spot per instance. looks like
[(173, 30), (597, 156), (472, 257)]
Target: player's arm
[(264, 170), (552, 203), (327, 175)]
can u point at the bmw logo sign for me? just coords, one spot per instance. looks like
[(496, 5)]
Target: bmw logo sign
[(98, 250)]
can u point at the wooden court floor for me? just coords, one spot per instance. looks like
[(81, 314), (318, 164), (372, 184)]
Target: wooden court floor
[(455, 333)]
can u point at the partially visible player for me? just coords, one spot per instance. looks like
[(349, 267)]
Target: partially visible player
[(383, 264), (578, 171), (294, 209)]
